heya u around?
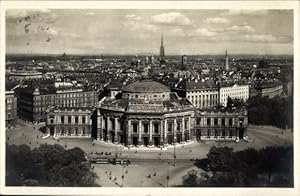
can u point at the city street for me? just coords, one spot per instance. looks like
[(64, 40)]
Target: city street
[(145, 163)]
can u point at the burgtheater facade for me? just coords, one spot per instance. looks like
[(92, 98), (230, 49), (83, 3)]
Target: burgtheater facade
[(147, 114)]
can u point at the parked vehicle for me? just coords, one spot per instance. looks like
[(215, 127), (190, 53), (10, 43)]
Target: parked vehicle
[(100, 160), (121, 161)]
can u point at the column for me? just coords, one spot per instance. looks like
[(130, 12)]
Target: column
[(165, 131), (189, 129), (116, 130), (108, 129), (175, 131), (80, 119), (151, 132), (140, 133), (102, 127), (98, 126), (72, 120), (161, 131), (129, 133), (182, 130)]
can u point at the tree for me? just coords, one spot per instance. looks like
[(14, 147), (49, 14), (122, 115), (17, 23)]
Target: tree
[(271, 166), (47, 165), (276, 111)]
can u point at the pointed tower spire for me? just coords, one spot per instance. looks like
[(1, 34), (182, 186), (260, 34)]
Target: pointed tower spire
[(162, 50), (226, 61)]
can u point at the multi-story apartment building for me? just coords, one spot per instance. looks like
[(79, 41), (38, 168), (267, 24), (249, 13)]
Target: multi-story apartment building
[(201, 93), (234, 92), (32, 103), (10, 109), (268, 89)]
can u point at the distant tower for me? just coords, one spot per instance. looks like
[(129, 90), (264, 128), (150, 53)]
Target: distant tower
[(226, 61), (147, 60), (184, 60), (152, 59), (162, 50)]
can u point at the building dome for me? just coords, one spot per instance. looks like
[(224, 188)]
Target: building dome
[(146, 86)]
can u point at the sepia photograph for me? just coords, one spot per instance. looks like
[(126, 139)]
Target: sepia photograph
[(148, 98)]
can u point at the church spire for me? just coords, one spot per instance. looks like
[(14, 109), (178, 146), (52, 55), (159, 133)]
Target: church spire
[(226, 61), (162, 50)]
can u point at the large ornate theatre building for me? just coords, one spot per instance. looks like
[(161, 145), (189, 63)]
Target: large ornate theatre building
[(147, 114)]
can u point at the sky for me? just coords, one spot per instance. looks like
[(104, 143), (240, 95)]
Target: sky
[(112, 31)]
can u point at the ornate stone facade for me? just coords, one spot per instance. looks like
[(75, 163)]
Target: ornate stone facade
[(69, 122), (221, 125), (148, 114)]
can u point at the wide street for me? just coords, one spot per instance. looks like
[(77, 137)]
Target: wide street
[(148, 168)]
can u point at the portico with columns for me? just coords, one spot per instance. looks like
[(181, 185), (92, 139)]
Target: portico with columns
[(147, 115), (146, 131)]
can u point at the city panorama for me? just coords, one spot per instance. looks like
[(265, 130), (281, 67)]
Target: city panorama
[(149, 98)]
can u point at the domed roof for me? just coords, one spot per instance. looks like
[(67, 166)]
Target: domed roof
[(146, 86)]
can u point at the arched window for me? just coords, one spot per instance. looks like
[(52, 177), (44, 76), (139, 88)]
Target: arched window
[(76, 131), (83, 130), (69, 130)]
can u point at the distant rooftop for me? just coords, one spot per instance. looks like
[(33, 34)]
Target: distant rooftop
[(146, 86), (196, 84)]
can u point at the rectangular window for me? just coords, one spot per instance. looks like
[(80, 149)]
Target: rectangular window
[(198, 121), (62, 119), (145, 127), (83, 120), (208, 121), (230, 122), (69, 119), (134, 127), (223, 121), (156, 128), (216, 122), (178, 126), (170, 127), (76, 119)]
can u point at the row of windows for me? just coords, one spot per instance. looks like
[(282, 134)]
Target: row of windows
[(234, 89), (75, 132), (138, 96), (71, 95), (205, 103), (208, 121), (145, 127), (8, 100), (222, 133), (68, 119), (207, 91), (201, 97), (59, 96)]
